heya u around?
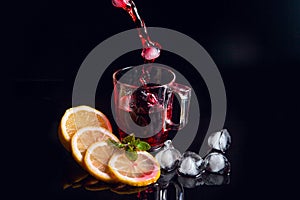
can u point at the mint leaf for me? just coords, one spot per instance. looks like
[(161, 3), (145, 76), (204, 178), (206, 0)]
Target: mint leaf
[(131, 155), (129, 139), (114, 143), (136, 142), (143, 146), (130, 147)]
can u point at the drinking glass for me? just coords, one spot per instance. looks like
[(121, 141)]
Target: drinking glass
[(143, 100)]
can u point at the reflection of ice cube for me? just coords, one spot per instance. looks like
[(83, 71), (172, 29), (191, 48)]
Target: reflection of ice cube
[(217, 163), (220, 140), (166, 177), (168, 157), (191, 164), (215, 179), (190, 182)]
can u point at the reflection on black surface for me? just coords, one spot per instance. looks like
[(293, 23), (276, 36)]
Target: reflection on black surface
[(170, 185), (167, 180), (179, 182), (204, 179), (76, 177), (215, 179), (189, 182)]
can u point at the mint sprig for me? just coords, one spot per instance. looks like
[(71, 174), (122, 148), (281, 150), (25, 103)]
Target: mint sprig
[(131, 145)]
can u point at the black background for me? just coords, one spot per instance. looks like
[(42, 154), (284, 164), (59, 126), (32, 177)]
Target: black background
[(255, 44)]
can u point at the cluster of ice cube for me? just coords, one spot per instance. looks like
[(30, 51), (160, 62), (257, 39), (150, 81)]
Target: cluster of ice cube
[(192, 168)]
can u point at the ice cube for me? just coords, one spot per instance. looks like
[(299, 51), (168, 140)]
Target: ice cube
[(220, 140), (191, 164), (142, 99), (217, 163), (139, 100), (150, 53), (151, 99), (168, 145), (215, 179), (168, 157)]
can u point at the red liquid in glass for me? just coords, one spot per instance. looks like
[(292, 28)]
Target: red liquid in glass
[(145, 109)]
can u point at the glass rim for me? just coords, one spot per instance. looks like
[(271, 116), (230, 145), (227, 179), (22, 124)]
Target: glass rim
[(137, 86)]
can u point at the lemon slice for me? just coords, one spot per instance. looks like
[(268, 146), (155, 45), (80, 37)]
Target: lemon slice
[(141, 172), (79, 117), (96, 159), (86, 136)]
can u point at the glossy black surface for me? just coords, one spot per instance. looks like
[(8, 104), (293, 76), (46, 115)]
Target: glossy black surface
[(255, 45)]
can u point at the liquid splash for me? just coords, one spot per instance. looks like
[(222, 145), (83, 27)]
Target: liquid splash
[(151, 50)]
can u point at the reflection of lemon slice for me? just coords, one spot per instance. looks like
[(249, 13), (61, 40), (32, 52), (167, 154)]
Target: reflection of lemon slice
[(73, 173), (90, 180), (144, 171), (79, 117), (96, 159), (86, 136), (128, 190), (99, 186), (77, 185)]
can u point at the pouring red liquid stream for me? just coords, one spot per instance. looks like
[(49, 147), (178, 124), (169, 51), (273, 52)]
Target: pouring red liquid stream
[(151, 50)]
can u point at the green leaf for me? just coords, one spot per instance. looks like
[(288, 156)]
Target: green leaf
[(129, 139), (111, 142), (130, 147), (131, 155), (114, 143), (136, 142), (143, 146)]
